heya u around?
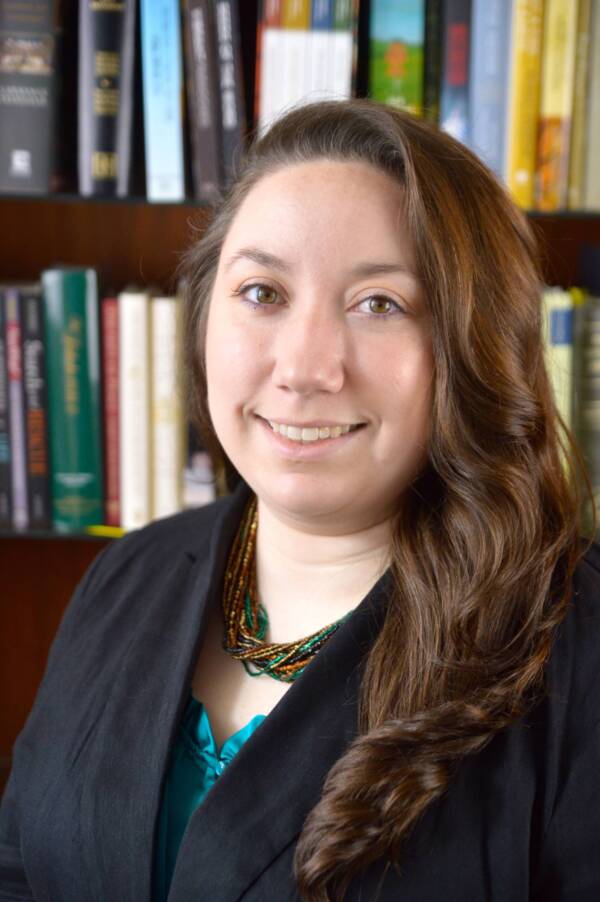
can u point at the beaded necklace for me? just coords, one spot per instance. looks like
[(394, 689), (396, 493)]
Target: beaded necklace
[(246, 619)]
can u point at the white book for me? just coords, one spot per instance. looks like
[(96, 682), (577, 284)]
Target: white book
[(166, 406), (342, 57), (134, 409)]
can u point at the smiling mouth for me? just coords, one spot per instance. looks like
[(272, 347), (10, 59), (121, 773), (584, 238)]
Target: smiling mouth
[(307, 434)]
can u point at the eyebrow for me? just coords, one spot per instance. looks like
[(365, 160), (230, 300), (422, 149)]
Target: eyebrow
[(359, 270)]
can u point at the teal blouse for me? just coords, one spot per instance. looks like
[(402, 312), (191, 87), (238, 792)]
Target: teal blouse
[(195, 764)]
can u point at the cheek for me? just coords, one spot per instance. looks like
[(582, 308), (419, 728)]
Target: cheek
[(232, 364)]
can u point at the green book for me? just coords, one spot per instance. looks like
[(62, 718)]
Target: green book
[(73, 374), (396, 53)]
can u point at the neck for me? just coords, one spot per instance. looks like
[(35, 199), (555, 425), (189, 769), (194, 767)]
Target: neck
[(306, 580)]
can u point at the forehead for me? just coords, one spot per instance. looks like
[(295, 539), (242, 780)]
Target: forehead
[(325, 204)]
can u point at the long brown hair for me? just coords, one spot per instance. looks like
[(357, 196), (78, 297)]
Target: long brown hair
[(487, 537)]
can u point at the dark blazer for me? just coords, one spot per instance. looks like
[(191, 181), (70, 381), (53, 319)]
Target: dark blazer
[(520, 821)]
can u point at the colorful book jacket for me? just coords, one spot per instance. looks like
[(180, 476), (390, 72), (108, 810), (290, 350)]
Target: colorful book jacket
[(523, 101), (202, 79), (73, 370), (106, 96), (28, 95), (162, 92), (5, 478), (36, 406), (556, 104), (454, 92), (109, 322), (396, 53)]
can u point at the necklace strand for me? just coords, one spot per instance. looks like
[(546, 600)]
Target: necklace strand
[(246, 619)]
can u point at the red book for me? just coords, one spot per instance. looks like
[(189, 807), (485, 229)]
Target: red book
[(109, 324)]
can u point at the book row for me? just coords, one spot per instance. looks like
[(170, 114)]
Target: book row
[(516, 80), (93, 432)]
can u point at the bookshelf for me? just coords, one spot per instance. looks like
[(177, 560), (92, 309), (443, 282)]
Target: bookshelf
[(131, 241)]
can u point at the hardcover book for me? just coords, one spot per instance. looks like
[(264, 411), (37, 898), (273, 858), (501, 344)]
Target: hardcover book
[(167, 422), (162, 91), (16, 402), (396, 53), (5, 476), (74, 409), (109, 322), (106, 96), (454, 91), (231, 84), (28, 96)]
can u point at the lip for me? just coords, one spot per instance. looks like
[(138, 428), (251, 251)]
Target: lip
[(309, 450)]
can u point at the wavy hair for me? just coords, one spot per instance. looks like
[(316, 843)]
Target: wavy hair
[(487, 536)]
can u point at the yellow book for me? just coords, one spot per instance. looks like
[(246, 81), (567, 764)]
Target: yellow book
[(556, 103), (591, 192), (296, 14), (523, 101), (580, 112)]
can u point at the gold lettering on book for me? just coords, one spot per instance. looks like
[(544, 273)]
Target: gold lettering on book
[(104, 165), (106, 99), (72, 341), (107, 64), (107, 6)]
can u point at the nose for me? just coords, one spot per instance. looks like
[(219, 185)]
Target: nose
[(310, 351)]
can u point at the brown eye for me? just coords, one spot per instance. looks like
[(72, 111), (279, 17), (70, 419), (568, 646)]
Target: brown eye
[(379, 305), (265, 294)]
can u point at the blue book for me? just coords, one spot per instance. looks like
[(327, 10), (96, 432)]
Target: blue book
[(489, 81), (162, 93)]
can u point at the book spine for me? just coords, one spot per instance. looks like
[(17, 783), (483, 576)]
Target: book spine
[(203, 99), (591, 190), (36, 407), (167, 410), (344, 48), (431, 63), (577, 151), (556, 103), (231, 84), (523, 103), (296, 59), (588, 393), (74, 410), (5, 476), (162, 92), (558, 333), (488, 81), (454, 93), (106, 64), (28, 90), (322, 45), (109, 315), (18, 439), (397, 45), (272, 86), (134, 409)]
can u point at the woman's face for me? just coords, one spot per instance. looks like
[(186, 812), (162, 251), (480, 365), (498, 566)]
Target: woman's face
[(318, 325)]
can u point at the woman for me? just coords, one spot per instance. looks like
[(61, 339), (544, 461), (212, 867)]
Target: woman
[(400, 558)]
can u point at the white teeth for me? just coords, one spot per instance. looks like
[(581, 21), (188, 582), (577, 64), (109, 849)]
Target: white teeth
[(308, 434)]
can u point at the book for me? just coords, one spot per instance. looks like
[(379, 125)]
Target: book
[(5, 474), (578, 146), (135, 459), (456, 48), (36, 406), (231, 85), (432, 59), (523, 100), (344, 55), (321, 50), (488, 81), (587, 423), (109, 323), (203, 98), (556, 104), (396, 53), (167, 421), (558, 340), (296, 40), (28, 96), (271, 43), (106, 96), (16, 403), (162, 91), (591, 184), (71, 323)]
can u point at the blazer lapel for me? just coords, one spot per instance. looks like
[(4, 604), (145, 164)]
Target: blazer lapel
[(145, 704), (258, 805)]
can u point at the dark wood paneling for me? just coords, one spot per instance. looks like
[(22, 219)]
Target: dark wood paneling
[(128, 242), (38, 577)]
